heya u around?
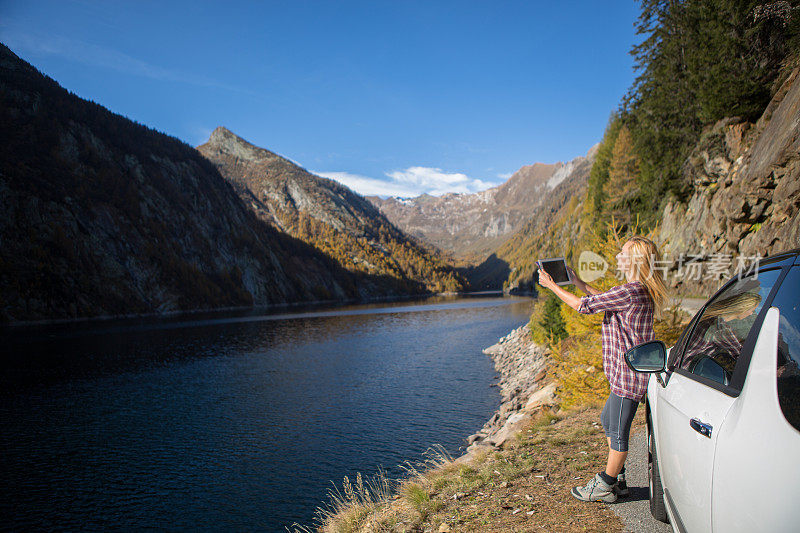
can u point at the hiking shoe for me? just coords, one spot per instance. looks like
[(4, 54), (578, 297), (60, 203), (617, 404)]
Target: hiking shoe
[(596, 490), (621, 487)]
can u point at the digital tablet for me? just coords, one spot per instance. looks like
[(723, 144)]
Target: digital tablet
[(557, 268)]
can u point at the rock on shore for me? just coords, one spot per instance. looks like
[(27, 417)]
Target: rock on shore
[(525, 387)]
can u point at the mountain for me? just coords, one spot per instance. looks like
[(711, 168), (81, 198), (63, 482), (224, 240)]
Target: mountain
[(327, 215), (471, 226), (511, 265), (102, 216)]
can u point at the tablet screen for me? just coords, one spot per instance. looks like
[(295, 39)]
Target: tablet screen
[(557, 269)]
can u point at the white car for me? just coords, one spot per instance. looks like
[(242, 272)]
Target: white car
[(723, 408)]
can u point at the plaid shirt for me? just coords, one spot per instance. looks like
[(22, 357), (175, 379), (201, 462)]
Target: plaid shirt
[(628, 321), (713, 336)]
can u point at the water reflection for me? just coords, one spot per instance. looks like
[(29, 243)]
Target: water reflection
[(240, 420)]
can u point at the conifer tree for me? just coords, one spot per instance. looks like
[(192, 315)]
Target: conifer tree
[(621, 187), (699, 61)]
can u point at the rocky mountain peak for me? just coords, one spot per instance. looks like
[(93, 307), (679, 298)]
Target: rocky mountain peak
[(224, 141), (534, 174), (327, 215), (525, 182)]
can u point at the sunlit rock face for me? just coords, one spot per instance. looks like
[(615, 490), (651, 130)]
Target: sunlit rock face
[(746, 177), (329, 216), (472, 226)]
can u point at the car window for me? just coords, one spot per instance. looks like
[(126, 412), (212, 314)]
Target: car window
[(715, 342), (788, 303)]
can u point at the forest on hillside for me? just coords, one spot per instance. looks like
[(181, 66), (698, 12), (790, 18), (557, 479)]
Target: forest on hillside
[(698, 62)]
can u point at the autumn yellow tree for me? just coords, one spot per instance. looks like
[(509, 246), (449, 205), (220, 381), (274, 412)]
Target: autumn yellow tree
[(621, 188)]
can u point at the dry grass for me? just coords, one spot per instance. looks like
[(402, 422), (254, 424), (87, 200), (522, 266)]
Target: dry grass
[(347, 508), (524, 487)]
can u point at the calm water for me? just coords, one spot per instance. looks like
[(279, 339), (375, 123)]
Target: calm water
[(236, 422)]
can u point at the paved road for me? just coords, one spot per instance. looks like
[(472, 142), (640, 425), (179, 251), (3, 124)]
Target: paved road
[(634, 511), (690, 305)]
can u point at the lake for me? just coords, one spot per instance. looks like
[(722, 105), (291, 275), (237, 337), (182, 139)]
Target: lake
[(236, 420)]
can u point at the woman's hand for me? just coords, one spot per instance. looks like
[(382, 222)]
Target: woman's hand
[(567, 297), (573, 277), (545, 280), (580, 284)]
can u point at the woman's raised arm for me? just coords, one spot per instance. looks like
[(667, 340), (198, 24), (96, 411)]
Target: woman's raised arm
[(572, 300), (582, 285)]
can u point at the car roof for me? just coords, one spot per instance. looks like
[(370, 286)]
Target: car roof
[(782, 258)]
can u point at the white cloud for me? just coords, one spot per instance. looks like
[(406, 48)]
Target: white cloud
[(436, 182), (480, 185), (369, 186), (505, 175), (411, 182)]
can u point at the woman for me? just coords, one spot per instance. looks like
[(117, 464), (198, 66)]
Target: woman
[(628, 321)]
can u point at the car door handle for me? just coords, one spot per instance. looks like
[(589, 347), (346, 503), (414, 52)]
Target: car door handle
[(700, 427)]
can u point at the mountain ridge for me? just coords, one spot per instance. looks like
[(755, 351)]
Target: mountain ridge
[(326, 214), (472, 226)]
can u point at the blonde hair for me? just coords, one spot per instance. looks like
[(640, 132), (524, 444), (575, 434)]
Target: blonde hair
[(734, 306), (644, 254)]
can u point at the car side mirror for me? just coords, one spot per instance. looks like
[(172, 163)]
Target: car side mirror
[(649, 357)]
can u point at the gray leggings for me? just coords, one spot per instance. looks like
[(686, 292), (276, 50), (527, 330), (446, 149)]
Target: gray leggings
[(616, 417)]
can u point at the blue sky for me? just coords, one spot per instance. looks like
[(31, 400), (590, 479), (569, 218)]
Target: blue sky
[(394, 97)]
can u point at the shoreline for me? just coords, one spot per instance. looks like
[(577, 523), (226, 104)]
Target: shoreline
[(526, 384), (527, 389), (524, 368)]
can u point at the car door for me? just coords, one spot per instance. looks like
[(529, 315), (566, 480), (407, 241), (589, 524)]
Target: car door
[(757, 461), (698, 396)]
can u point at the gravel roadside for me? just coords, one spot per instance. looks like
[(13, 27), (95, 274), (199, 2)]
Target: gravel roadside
[(634, 511)]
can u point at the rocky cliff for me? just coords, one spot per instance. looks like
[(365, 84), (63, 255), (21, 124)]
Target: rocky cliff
[(329, 216), (471, 226), (103, 216), (746, 200)]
